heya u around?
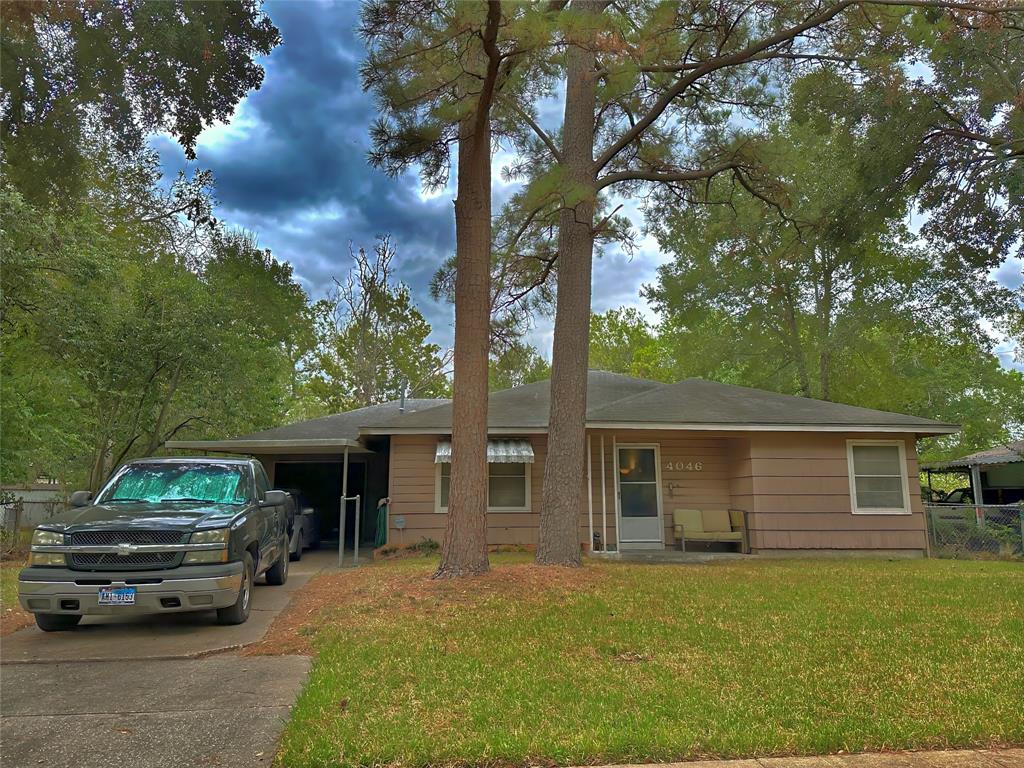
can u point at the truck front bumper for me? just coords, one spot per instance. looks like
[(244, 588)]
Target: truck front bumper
[(187, 588)]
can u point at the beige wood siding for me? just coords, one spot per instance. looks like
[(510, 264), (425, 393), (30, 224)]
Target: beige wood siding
[(794, 486), (413, 481), (801, 496)]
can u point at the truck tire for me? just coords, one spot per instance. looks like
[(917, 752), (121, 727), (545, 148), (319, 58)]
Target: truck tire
[(277, 574), (239, 612), (300, 534), (57, 622)]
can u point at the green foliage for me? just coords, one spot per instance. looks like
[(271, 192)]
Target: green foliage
[(425, 67), (622, 341), (114, 343), (517, 364), (372, 341), (830, 294), (75, 71)]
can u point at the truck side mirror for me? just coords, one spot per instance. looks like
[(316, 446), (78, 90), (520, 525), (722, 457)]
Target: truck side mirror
[(274, 499), (81, 498)]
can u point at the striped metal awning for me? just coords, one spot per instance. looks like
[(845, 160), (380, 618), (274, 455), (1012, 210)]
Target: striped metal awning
[(498, 452)]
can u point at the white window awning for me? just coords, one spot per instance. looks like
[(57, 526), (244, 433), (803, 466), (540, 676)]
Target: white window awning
[(498, 452)]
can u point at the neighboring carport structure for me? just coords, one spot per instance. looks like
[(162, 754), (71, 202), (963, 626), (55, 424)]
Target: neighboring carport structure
[(325, 459), (996, 475)]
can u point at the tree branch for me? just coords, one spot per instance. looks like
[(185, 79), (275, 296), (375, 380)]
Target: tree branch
[(540, 132), (762, 46), (639, 174)]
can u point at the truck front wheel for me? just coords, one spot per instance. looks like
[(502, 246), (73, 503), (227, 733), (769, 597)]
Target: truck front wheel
[(57, 622), (239, 612)]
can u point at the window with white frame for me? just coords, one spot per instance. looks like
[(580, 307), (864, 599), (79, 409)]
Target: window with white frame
[(508, 487), (878, 477)]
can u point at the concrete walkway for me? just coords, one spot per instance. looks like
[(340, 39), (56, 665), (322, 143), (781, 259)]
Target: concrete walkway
[(961, 758), (222, 711), (133, 693)]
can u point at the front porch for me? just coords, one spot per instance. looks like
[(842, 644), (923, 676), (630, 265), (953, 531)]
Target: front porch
[(666, 556), (644, 486)]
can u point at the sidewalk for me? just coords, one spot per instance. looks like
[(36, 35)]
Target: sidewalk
[(961, 758)]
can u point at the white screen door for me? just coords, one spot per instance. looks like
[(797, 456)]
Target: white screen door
[(639, 496)]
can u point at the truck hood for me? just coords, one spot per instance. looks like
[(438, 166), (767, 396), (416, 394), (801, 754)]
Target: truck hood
[(120, 516)]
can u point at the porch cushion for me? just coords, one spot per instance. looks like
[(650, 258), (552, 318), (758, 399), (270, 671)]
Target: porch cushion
[(736, 518), (689, 519), (713, 535), (717, 520)]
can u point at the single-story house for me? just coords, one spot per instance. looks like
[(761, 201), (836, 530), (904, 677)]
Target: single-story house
[(997, 471), (809, 475)]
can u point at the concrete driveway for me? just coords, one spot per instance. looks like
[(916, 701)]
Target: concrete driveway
[(168, 691)]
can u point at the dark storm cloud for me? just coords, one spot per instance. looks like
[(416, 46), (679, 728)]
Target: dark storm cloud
[(292, 165)]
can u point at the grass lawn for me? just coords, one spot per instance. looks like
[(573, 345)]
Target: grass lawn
[(11, 616), (623, 662)]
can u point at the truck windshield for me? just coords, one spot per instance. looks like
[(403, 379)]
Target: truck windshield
[(165, 482)]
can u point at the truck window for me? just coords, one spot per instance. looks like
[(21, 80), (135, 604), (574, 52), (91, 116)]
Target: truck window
[(155, 482), (262, 483)]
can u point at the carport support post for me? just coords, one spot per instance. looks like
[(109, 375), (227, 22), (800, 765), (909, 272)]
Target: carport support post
[(979, 513), (342, 509), (355, 538)]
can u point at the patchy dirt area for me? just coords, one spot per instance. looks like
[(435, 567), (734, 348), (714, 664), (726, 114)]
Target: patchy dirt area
[(13, 619), (407, 585)]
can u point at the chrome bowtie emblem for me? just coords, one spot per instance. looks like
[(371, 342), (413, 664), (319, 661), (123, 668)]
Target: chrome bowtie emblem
[(125, 549)]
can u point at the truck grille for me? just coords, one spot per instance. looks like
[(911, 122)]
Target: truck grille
[(111, 560), (113, 538), (139, 559)]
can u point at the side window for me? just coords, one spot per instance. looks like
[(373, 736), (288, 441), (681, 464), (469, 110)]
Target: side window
[(262, 483), (878, 482)]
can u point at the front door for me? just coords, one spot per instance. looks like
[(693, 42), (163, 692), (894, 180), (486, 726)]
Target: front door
[(637, 474)]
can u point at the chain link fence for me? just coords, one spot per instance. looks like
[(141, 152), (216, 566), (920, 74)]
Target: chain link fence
[(11, 536), (975, 532)]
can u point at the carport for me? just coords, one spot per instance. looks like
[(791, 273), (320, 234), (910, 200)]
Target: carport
[(996, 475), (323, 470), (325, 459)]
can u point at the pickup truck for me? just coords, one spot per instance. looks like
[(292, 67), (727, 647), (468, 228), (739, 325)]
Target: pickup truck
[(163, 535)]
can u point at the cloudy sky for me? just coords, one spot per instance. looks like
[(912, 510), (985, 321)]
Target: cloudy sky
[(291, 167)]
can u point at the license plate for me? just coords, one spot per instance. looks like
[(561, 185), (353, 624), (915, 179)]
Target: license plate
[(117, 596)]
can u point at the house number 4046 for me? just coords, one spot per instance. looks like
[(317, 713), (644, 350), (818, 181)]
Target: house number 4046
[(685, 466)]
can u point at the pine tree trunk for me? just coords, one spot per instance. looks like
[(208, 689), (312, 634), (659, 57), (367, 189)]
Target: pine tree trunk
[(564, 468), (464, 550)]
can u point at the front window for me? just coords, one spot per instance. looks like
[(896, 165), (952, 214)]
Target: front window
[(210, 483), (878, 481), (507, 486)]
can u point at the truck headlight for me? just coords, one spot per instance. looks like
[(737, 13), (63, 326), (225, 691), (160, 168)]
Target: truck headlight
[(43, 538), (214, 536), (47, 538)]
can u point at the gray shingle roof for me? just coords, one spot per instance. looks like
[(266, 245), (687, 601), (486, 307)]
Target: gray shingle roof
[(616, 399), (697, 401), (524, 407), (1011, 453), (341, 425)]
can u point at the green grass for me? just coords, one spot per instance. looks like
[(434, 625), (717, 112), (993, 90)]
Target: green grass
[(622, 662), (9, 584)]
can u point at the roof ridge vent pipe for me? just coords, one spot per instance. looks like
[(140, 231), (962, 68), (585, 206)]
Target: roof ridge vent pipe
[(401, 403)]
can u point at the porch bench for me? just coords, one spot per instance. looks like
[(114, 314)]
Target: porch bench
[(711, 525)]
